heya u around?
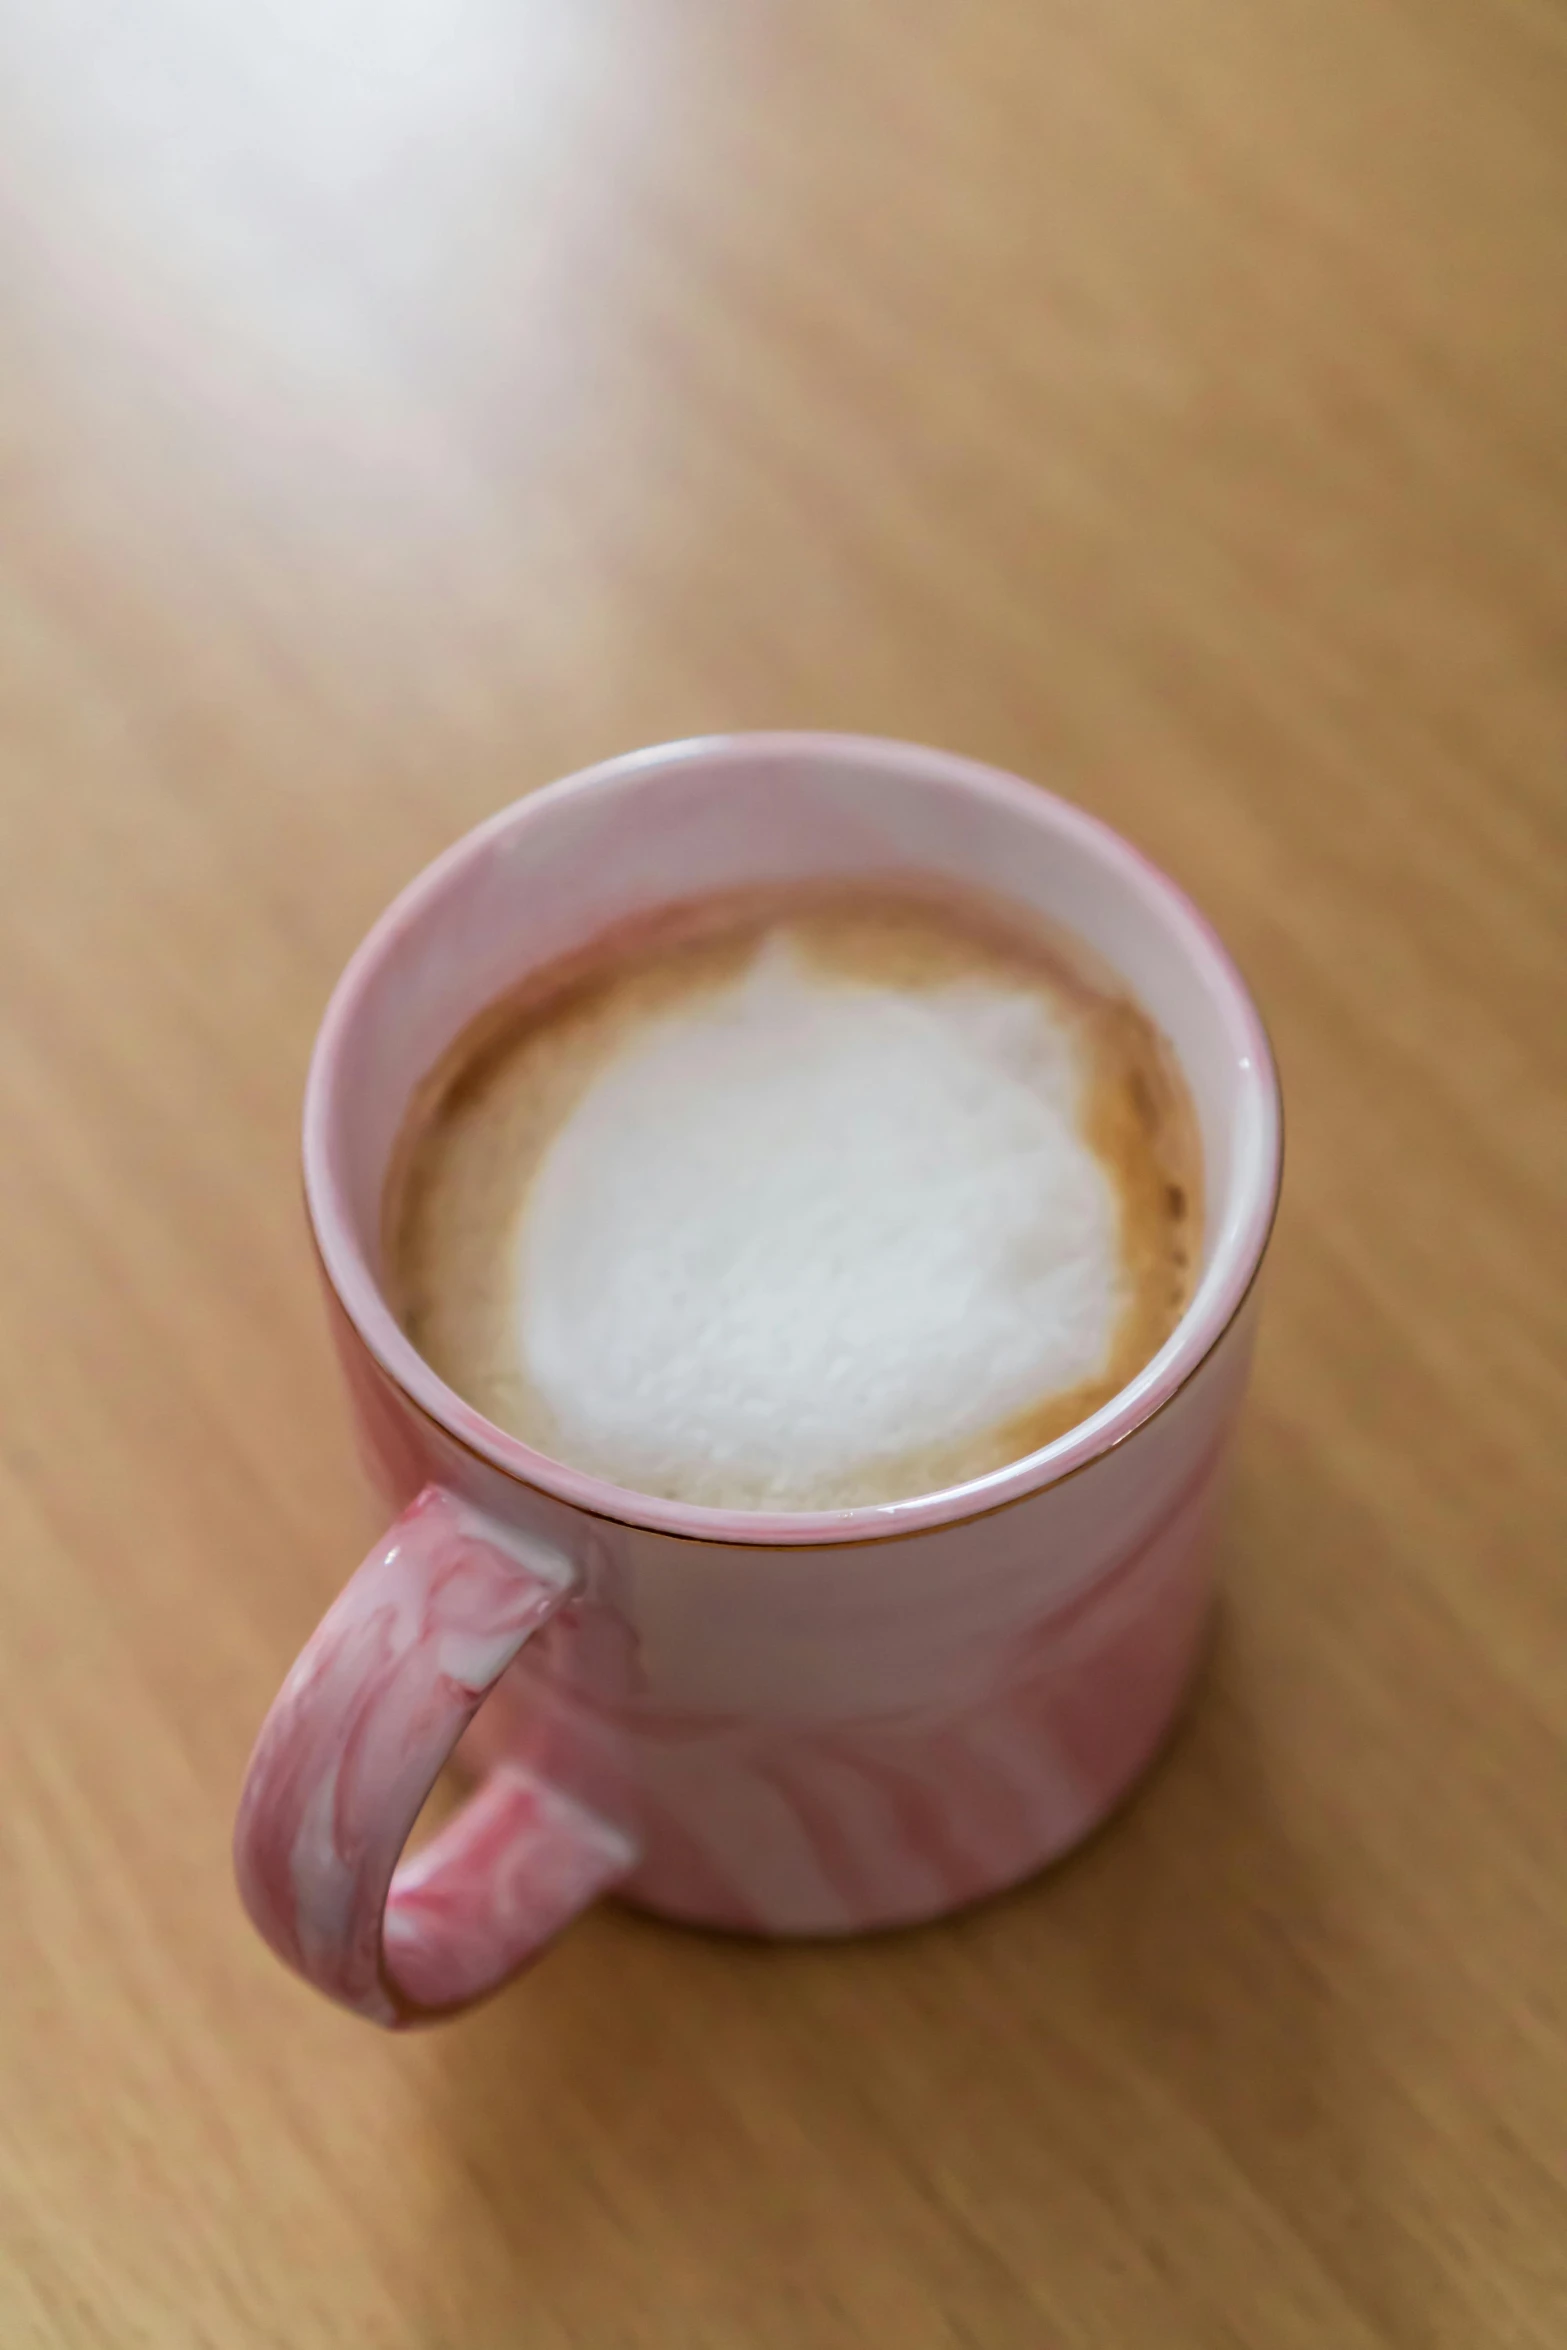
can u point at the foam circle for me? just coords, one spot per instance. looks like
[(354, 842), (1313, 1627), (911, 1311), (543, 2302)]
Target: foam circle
[(806, 1223)]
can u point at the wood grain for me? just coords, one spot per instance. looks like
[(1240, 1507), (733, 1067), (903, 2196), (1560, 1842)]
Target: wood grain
[(401, 404)]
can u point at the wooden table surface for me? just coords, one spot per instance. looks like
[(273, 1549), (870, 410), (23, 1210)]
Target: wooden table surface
[(405, 401)]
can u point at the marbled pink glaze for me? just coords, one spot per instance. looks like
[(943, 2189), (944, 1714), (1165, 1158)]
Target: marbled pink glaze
[(976, 1716), (516, 1864), (355, 1739), (807, 1724)]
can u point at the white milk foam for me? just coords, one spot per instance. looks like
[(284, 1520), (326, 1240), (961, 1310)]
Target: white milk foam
[(808, 1222)]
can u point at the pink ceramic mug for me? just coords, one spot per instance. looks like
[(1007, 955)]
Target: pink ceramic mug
[(810, 1723)]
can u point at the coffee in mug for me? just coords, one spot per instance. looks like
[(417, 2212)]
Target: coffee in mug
[(800, 1199)]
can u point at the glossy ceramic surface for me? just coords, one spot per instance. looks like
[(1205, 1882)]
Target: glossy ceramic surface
[(805, 1724)]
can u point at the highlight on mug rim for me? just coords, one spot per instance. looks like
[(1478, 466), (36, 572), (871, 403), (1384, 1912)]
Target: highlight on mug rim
[(1247, 1201)]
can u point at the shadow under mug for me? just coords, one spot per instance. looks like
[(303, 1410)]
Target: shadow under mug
[(810, 1723)]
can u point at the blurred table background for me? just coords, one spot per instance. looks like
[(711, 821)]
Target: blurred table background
[(405, 401)]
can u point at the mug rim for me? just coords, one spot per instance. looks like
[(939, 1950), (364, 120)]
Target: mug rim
[(1221, 1293)]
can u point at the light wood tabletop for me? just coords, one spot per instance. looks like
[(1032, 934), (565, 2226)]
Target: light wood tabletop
[(403, 402)]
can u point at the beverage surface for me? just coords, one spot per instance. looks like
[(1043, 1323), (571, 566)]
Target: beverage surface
[(795, 1203)]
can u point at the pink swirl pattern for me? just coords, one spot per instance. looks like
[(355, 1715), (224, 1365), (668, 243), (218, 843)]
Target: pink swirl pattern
[(767, 1740), (783, 1725), (353, 1744), (807, 1820)]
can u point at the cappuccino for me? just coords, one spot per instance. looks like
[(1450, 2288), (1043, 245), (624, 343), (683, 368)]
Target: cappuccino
[(799, 1201)]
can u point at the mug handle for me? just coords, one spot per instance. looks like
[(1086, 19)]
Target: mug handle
[(356, 1738)]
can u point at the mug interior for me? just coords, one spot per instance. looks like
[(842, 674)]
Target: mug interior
[(548, 875)]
